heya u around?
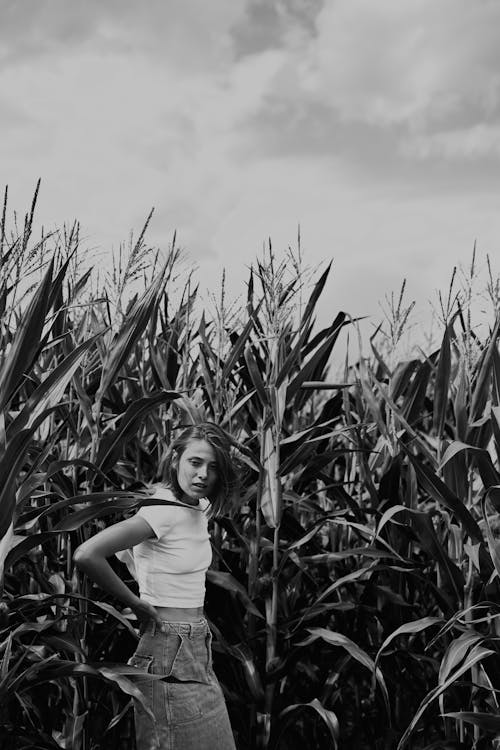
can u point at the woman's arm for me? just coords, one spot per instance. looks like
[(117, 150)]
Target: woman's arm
[(90, 557)]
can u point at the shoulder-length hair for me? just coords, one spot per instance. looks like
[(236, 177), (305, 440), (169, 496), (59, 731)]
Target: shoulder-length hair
[(225, 495)]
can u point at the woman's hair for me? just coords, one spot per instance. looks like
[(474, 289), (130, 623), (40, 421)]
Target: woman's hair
[(224, 497)]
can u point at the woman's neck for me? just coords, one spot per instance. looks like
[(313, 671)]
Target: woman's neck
[(183, 498), (189, 500)]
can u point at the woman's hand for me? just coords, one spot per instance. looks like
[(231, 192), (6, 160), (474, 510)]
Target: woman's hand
[(144, 611)]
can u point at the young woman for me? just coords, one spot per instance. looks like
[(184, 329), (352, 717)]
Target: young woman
[(171, 553)]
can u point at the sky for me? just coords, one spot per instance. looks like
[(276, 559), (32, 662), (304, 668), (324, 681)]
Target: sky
[(374, 125)]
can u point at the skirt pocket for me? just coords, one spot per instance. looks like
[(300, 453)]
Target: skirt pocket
[(140, 662), (143, 682), (146, 718), (170, 685), (145, 665), (186, 659)]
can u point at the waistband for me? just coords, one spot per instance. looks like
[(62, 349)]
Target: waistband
[(191, 629)]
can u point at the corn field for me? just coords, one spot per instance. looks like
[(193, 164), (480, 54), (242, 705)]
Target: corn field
[(354, 598)]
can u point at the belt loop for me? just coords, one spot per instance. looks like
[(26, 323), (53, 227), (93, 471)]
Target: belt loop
[(153, 627), (190, 630)]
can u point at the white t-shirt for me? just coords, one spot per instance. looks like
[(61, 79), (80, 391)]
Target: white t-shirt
[(171, 567)]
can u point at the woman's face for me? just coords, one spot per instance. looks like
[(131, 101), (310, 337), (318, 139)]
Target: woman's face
[(196, 471)]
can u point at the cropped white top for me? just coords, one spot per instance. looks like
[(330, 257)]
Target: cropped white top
[(171, 567)]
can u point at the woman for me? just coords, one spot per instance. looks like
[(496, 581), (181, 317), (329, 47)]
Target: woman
[(171, 553)]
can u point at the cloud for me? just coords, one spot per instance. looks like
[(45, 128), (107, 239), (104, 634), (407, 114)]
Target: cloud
[(475, 143), (384, 76), (130, 106), (190, 34), (34, 27), (420, 63), (14, 117), (273, 24)]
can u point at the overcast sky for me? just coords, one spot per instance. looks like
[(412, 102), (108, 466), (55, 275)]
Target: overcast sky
[(372, 123)]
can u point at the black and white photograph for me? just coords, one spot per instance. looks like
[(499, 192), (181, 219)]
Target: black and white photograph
[(249, 375)]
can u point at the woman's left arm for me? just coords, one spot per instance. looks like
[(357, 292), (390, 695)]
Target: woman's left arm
[(91, 558)]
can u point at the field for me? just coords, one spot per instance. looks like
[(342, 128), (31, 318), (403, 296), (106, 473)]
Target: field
[(354, 597)]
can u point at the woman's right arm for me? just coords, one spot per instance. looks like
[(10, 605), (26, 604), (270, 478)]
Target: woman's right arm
[(91, 558)]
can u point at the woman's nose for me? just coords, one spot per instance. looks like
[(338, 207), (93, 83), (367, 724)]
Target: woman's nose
[(202, 471)]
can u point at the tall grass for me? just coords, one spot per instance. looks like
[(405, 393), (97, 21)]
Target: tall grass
[(353, 598)]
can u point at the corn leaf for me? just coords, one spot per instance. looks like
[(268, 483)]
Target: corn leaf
[(481, 389), (245, 657), (401, 378), (409, 628), (10, 466), (453, 579), (412, 408), (313, 369), (229, 582), (314, 296), (492, 542), (342, 641), (56, 669), (460, 407), (436, 488), (255, 376), (51, 391), (26, 342), (488, 722), (456, 652), (477, 654), (442, 383), (133, 327), (74, 521), (328, 717), (112, 443), (238, 347), (233, 411)]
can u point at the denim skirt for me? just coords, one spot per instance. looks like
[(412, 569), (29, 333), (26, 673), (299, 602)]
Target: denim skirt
[(182, 694)]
